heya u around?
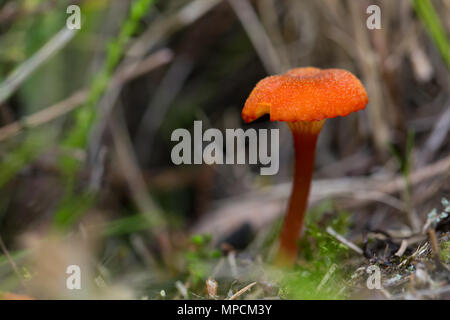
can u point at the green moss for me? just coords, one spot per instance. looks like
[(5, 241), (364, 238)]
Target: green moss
[(445, 251), (320, 272), (201, 258)]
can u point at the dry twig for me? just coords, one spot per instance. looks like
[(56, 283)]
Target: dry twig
[(65, 106), (11, 262), (19, 75), (242, 291), (257, 35), (259, 208), (344, 241)]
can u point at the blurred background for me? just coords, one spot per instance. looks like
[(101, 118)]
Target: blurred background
[(86, 118)]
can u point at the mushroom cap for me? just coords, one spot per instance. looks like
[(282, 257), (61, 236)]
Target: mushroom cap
[(306, 94)]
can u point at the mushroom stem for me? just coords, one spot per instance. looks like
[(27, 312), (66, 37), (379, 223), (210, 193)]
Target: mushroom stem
[(305, 135)]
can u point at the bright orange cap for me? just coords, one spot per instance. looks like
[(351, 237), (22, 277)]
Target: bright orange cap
[(306, 94)]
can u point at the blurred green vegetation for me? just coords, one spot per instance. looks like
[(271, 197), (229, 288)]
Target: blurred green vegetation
[(433, 24), (320, 253), (223, 74)]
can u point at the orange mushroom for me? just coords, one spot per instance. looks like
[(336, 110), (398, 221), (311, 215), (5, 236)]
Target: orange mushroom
[(304, 98)]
